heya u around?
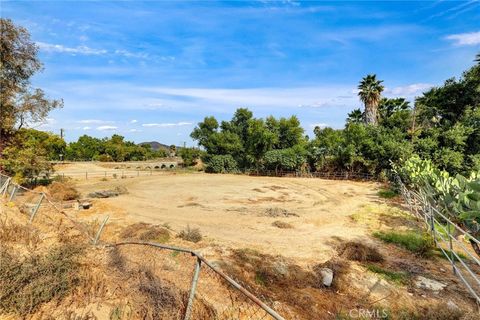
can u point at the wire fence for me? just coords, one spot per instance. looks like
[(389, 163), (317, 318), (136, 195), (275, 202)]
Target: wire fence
[(307, 174), (210, 293), (450, 239)]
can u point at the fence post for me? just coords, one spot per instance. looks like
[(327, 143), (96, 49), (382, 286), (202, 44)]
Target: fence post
[(86, 175), (432, 222), (450, 247), (188, 311), (99, 232), (35, 209), (5, 186), (12, 195)]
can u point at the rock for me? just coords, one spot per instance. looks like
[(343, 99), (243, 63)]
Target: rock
[(280, 267), (86, 205), (108, 193), (429, 284), (452, 306), (327, 276)]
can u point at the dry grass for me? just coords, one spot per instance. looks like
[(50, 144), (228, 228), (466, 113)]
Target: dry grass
[(27, 283), (145, 232), (282, 225), (357, 251), (11, 232), (191, 234)]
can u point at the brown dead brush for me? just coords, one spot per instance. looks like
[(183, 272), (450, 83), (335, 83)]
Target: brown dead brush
[(357, 251), (27, 283), (63, 191), (191, 234), (11, 232), (282, 225), (145, 232)]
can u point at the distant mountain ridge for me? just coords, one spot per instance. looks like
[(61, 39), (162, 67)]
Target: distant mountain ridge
[(157, 145)]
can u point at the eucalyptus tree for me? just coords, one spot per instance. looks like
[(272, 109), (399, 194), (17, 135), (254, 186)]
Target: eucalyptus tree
[(370, 93)]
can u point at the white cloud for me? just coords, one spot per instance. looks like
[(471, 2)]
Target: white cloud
[(133, 121), (465, 39), (107, 128), (409, 90), (86, 128), (161, 125), (134, 130), (321, 125), (75, 50), (94, 121)]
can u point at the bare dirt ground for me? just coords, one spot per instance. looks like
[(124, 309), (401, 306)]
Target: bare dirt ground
[(238, 211), (272, 235)]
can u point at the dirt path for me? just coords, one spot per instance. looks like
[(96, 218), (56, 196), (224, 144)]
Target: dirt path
[(232, 210)]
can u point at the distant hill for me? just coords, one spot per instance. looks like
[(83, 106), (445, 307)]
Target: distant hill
[(157, 145)]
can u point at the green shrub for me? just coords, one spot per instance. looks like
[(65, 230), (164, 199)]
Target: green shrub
[(418, 243), (221, 164), (387, 193), (396, 277)]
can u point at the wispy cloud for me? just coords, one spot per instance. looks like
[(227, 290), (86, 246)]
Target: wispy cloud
[(48, 47), (408, 91), (133, 121), (321, 125), (94, 121), (160, 125), (465, 39), (107, 128), (86, 128), (455, 10)]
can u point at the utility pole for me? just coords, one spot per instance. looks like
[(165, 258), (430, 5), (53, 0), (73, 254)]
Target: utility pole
[(62, 131)]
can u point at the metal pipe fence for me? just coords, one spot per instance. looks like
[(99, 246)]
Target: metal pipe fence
[(449, 238), (210, 293)]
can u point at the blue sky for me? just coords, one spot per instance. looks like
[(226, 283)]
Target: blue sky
[(152, 70)]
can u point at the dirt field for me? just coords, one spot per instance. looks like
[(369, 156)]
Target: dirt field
[(273, 235), (238, 211)]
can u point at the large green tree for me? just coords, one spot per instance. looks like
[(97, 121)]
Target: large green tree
[(370, 92), (20, 104)]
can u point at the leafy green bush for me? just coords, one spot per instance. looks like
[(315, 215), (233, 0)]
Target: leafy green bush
[(421, 244), (221, 164)]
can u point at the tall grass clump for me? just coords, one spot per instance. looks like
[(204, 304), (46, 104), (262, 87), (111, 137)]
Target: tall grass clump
[(418, 243)]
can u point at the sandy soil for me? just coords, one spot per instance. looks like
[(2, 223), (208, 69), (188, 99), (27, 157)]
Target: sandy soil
[(232, 210)]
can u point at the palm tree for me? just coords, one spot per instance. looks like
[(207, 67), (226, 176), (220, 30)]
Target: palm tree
[(370, 91), (356, 116), (477, 58)]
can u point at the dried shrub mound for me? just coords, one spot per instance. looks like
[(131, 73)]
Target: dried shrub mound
[(282, 225), (63, 191), (27, 283), (357, 251), (272, 271), (191, 234), (276, 212), (145, 232)]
